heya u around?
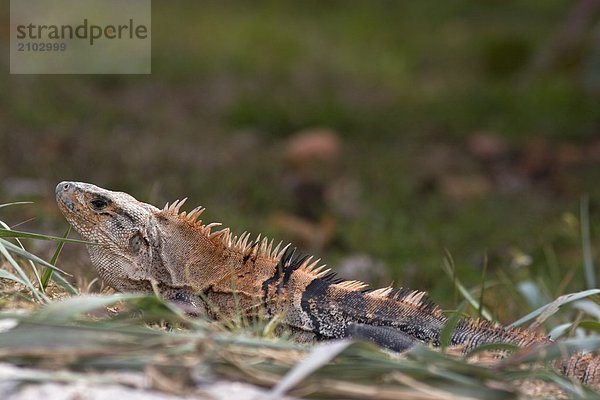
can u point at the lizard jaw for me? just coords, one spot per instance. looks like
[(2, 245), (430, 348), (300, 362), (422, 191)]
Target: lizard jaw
[(68, 199)]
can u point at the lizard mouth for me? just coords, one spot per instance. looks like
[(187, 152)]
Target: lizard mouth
[(63, 200), (69, 202), (65, 192)]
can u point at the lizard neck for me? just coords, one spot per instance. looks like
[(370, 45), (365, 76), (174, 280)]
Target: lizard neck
[(199, 259)]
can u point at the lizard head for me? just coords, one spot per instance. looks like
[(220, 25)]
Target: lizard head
[(119, 226), (134, 244)]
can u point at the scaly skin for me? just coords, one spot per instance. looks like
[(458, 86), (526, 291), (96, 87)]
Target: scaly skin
[(220, 275)]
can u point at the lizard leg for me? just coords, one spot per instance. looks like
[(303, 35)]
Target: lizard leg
[(188, 304), (384, 336)]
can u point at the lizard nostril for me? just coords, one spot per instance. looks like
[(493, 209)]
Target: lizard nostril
[(66, 187)]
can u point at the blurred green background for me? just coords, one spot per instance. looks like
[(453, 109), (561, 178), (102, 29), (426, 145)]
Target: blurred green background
[(380, 135)]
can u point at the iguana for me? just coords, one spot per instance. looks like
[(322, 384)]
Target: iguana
[(214, 273)]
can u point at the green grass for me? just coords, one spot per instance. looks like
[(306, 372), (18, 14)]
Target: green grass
[(11, 250)]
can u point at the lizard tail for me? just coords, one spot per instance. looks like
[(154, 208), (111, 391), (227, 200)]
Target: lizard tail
[(584, 367)]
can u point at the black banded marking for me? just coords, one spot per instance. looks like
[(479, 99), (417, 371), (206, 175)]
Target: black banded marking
[(331, 313), (314, 292), (332, 278), (289, 263), (274, 278), (247, 256), (286, 265), (355, 302), (270, 281)]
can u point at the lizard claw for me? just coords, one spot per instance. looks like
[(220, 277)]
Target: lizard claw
[(187, 303)]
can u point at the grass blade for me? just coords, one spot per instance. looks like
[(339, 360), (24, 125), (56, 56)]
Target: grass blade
[(67, 310), (532, 294), (31, 264), (492, 347), (449, 326), (588, 263), (19, 234), (50, 267), (560, 330), (48, 272), (7, 275), (484, 312), (482, 285), (317, 358), (590, 307), (58, 278), (590, 325), (548, 310), (62, 282), (36, 293), (16, 203), (551, 351), (25, 254)]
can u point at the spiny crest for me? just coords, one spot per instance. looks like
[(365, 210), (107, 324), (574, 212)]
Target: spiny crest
[(481, 325), (352, 285), (193, 215), (258, 247), (292, 261), (289, 260), (383, 292), (175, 206), (418, 299), (407, 296), (415, 297), (314, 268)]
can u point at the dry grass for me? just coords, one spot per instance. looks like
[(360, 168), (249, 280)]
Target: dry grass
[(58, 329)]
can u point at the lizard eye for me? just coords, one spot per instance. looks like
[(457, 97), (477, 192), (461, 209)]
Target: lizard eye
[(99, 204)]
